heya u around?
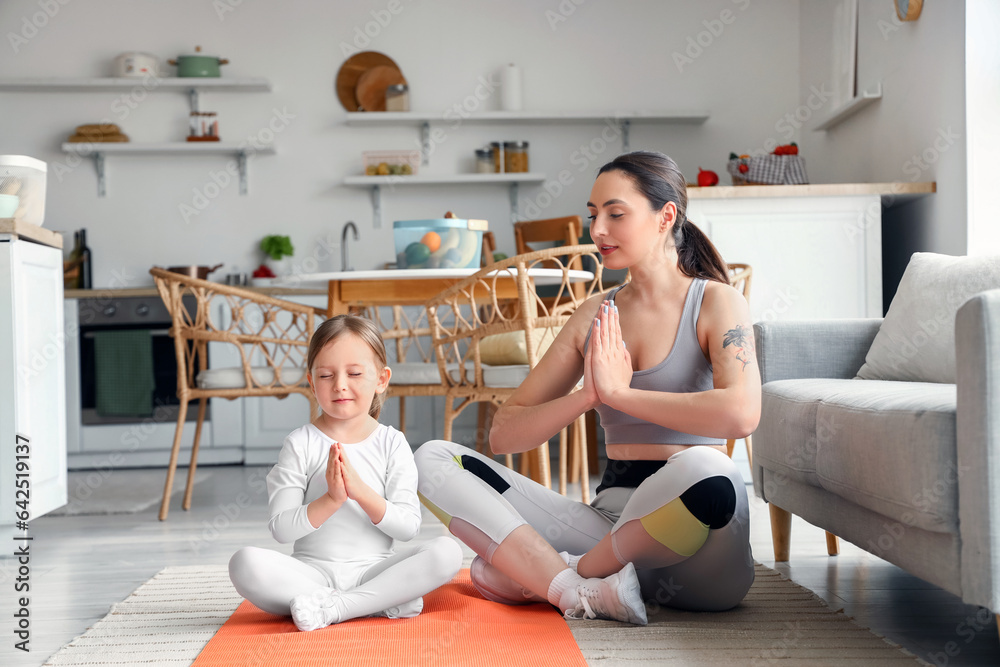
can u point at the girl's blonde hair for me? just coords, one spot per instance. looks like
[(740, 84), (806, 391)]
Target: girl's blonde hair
[(364, 329)]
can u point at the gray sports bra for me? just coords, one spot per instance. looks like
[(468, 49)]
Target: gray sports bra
[(684, 370)]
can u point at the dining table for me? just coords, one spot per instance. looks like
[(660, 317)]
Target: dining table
[(407, 287)]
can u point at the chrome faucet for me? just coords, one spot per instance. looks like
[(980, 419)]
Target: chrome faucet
[(344, 266)]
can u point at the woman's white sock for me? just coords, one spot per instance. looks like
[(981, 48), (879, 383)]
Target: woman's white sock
[(562, 589)]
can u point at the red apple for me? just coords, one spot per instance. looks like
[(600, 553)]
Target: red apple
[(707, 178)]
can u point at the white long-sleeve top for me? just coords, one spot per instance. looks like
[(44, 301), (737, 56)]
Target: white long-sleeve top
[(383, 460)]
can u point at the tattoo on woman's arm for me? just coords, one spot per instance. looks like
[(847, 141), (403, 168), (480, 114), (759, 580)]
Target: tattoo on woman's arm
[(741, 338)]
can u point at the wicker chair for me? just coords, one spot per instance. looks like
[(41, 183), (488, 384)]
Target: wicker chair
[(271, 335), (468, 319), (414, 369), (739, 277)]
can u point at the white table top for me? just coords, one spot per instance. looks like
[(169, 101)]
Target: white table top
[(541, 276)]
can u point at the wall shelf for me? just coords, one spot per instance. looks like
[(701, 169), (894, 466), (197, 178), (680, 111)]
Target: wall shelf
[(622, 120), (190, 85), (689, 117), (98, 151), (424, 119), (839, 114), (376, 183)]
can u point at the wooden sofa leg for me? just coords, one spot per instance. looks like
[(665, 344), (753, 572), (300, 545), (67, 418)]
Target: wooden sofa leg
[(781, 532), (832, 544)]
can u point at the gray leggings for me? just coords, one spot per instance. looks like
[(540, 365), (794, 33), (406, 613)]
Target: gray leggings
[(699, 560)]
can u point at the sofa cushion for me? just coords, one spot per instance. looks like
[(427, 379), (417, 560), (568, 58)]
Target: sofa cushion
[(886, 446), (785, 439), (414, 372), (917, 338), (892, 449), (233, 378), (510, 349)]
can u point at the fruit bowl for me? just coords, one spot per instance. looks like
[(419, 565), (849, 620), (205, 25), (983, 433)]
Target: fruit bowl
[(441, 243)]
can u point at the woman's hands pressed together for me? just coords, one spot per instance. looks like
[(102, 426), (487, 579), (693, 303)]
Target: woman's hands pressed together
[(608, 365)]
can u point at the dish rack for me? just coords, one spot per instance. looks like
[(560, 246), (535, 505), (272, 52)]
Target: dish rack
[(22, 189), (396, 163)]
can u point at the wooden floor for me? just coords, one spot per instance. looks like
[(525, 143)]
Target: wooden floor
[(80, 566)]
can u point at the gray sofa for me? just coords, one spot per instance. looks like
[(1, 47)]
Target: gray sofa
[(909, 471)]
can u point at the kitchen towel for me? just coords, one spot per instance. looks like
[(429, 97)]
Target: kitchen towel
[(124, 372)]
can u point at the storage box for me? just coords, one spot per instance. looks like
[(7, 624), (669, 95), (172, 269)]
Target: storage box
[(442, 243), (390, 163)]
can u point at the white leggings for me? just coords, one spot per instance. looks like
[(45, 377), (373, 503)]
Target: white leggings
[(694, 508), (270, 579)]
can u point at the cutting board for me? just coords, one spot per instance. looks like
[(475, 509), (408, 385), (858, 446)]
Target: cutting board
[(371, 87), (351, 71)]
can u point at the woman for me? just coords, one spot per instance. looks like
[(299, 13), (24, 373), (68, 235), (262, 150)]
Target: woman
[(668, 361)]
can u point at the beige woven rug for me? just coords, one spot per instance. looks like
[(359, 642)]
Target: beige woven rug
[(170, 618)]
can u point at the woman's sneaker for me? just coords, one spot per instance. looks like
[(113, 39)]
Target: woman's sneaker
[(616, 597), (496, 586), (312, 611)]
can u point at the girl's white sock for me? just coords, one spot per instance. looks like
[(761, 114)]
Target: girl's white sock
[(562, 589)]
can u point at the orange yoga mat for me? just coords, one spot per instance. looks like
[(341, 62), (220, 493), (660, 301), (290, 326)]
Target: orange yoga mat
[(456, 627)]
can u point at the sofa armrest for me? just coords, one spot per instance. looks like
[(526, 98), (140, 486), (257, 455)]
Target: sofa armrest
[(977, 356), (813, 348)]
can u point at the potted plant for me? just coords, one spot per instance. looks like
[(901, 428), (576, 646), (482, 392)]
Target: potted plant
[(276, 248)]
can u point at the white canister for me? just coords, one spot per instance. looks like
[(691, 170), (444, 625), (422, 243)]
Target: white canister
[(510, 88), (136, 64)]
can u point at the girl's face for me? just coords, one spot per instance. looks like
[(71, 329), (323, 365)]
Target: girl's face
[(346, 376), (622, 224)]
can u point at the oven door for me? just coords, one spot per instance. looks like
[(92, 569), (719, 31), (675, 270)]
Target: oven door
[(128, 366)]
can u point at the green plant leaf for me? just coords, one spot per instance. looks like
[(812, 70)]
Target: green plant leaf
[(277, 246)]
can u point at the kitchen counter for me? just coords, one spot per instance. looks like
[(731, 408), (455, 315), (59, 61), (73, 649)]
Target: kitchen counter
[(890, 192), (113, 292)]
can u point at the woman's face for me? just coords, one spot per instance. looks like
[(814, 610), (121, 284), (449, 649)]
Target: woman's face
[(623, 226)]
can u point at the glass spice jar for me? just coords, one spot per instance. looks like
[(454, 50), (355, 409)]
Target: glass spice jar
[(484, 161), (496, 148), (397, 98), (515, 157)]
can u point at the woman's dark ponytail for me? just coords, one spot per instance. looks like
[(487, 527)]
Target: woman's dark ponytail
[(659, 180)]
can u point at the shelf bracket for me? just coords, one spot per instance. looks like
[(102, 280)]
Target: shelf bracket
[(241, 159), (625, 125), (425, 143), (193, 99), (99, 165), (513, 201), (377, 206)]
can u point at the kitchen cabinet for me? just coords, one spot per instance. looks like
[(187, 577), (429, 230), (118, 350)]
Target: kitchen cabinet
[(32, 394), (138, 88), (622, 121), (816, 250)]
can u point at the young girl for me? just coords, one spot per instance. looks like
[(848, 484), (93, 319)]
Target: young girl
[(343, 489), (668, 361)]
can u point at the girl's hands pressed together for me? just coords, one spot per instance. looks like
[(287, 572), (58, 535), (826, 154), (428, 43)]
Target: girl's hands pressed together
[(355, 487), (609, 361), (336, 488)]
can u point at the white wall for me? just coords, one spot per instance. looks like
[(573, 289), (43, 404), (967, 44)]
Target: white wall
[(575, 54), (916, 132), (982, 97)]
